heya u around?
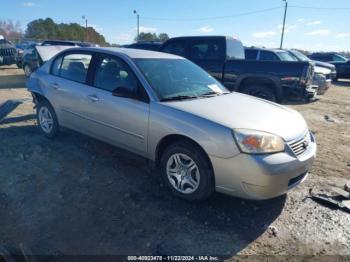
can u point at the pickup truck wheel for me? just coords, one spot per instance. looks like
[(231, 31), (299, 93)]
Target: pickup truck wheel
[(186, 171), (260, 91), (47, 120)]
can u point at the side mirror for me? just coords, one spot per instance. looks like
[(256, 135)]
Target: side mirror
[(123, 91)]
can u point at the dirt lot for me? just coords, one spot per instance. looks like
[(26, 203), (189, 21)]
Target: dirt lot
[(76, 195)]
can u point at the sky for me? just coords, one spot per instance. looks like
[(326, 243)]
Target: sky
[(324, 27)]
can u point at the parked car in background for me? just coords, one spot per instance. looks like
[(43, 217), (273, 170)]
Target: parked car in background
[(38, 56), (224, 58), (7, 52), (23, 48), (341, 63), (31, 59), (68, 43), (152, 46), (323, 73), (167, 109)]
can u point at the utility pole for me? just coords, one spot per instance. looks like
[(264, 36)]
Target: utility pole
[(86, 27), (138, 25), (284, 22)]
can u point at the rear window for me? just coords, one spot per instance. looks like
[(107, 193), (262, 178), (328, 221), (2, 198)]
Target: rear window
[(175, 48), (235, 49), (206, 50)]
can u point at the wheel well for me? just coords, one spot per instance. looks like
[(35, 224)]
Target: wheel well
[(263, 82), (171, 139), (39, 98)]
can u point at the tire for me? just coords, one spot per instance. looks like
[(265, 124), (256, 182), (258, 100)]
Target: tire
[(263, 92), (47, 119), (195, 185), (27, 70)]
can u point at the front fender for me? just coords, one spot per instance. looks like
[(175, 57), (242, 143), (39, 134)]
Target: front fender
[(215, 139)]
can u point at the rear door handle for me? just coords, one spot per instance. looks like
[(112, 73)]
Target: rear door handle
[(93, 98)]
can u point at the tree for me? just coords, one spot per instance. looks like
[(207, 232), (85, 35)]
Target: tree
[(47, 29), (163, 37), (152, 37), (10, 30)]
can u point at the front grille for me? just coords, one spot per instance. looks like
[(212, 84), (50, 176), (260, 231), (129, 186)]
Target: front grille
[(7, 52), (299, 147), (296, 180)]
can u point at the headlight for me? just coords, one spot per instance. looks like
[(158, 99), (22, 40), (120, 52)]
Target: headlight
[(257, 142)]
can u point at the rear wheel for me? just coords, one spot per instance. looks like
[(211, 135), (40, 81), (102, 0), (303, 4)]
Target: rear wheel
[(186, 170), (263, 92), (47, 120)]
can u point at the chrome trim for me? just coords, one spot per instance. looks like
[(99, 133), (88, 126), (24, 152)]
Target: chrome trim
[(106, 125)]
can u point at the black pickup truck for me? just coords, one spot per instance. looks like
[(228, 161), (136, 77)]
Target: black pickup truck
[(223, 57)]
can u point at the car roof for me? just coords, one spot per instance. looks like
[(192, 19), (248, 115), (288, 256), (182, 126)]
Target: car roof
[(265, 49), (200, 36), (130, 52)]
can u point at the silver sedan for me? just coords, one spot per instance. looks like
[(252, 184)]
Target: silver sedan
[(167, 109)]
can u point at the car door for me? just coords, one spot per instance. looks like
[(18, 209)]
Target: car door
[(67, 88), (209, 54), (119, 120)]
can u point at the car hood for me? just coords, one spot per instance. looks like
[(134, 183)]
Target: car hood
[(237, 110), (323, 64), (322, 70)]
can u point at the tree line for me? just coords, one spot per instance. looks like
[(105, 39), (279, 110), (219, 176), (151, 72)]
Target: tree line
[(47, 29)]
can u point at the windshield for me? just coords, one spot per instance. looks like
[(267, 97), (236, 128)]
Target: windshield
[(284, 56), (300, 56), (4, 41), (339, 58), (178, 78)]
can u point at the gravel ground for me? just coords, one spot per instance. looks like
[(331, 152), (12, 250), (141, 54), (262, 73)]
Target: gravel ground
[(76, 195)]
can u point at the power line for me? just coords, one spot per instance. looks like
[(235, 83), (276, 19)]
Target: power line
[(214, 17), (319, 8)]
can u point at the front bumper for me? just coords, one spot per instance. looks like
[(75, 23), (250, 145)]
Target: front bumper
[(7, 60), (262, 176)]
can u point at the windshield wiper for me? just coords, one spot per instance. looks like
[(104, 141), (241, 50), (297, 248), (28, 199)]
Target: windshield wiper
[(174, 98), (209, 94)]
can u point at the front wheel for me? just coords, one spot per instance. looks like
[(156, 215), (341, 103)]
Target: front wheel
[(47, 120), (186, 170), (27, 70), (263, 92)]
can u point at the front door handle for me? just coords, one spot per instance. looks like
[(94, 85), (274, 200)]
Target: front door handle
[(93, 98)]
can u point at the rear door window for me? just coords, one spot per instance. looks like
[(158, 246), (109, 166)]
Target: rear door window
[(251, 54), (73, 66)]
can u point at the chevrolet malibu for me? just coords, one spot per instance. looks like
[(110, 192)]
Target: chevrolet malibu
[(165, 108)]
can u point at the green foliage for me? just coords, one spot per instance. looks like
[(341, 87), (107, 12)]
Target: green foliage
[(152, 37), (47, 29)]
